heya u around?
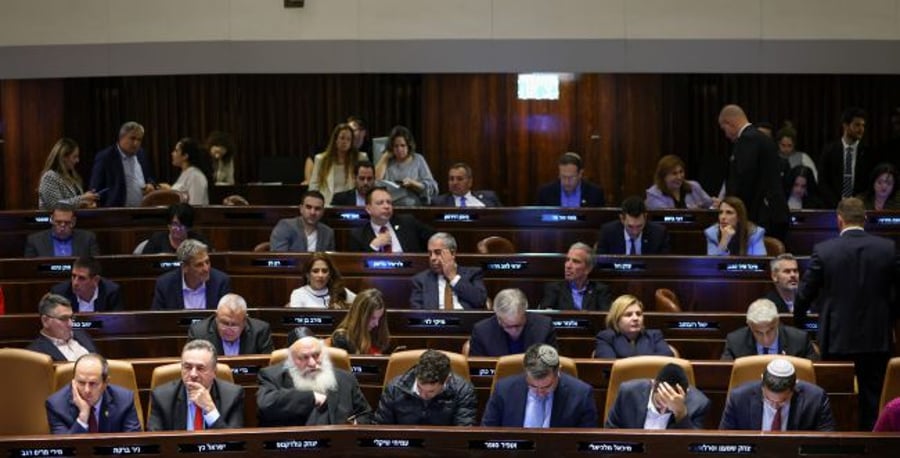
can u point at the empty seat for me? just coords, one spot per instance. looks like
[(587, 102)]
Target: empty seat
[(24, 390), (161, 198), (667, 301), (774, 247), (495, 245)]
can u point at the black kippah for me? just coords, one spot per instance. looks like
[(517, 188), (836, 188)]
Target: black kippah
[(672, 374)]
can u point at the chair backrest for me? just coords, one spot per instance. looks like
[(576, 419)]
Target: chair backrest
[(120, 373), (891, 387), (169, 372), (515, 364), (339, 357), (161, 198), (640, 367), (140, 246), (667, 301), (261, 246), (402, 361), (22, 393), (495, 245), (235, 200), (750, 368), (774, 247), (465, 348)]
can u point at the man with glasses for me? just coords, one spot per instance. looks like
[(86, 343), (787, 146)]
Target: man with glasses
[(62, 239), (512, 329), (196, 285), (57, 338), (541, 397), (87, 291), (198, 400), (231, 331), (778, 402)]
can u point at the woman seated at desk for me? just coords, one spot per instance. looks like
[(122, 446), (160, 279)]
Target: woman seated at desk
[(181, 219), (402, 165), (625, 334), (364, 330), (672, 190), (324, 287), (735, 234), (882, 191)]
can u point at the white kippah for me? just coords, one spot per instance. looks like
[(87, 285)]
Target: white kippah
[(780, 367)]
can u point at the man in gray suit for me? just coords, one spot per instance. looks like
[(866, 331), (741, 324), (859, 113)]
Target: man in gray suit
[(675, 404), (430, 287), (459, 182), (63, 239), (304, 233)]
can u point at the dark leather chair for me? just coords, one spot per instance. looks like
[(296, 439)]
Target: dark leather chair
[(774, 247), (161, 198), (495, 245), (667, 301)]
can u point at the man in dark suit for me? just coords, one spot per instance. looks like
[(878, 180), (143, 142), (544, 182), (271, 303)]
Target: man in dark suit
[(846, 160), (307, 390), (786, 277), (676, 404), (632, 234), (512, 330), (356, 197), (755, 172), (576, 292), (386, 232), (760, 405), (294, 234), (541, 397), (87, 290), (89, 404), (446, 285), (121, 173), (459, 183), (231, 331), (765, 335), (57, 338), (571, 189), (62, 239), (854, 278), (198, 400), (195, 285)]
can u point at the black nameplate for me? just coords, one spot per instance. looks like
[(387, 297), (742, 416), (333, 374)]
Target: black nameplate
[(884, 220), (275, 263), (291, 444), (561, 217), (832, 449), (386, 264), (622, 266), (797, 219), (693, 325), (811, 326), (501, 266), (43, 451), (254, 216), (501, 445), (244, 370), (188, 321), (456, 218), (118, 450), (352, 216), (38, 219), (609, 447), (391, 443), (572, 323), (674, 218), (435, 322), (309, 320), (481, 371), (166, 265), (747, 266), (723, 449), (364, 369), (212, 447), (87, 324), (55, 267)]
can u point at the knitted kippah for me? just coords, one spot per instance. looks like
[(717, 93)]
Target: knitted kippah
[(548, 355)]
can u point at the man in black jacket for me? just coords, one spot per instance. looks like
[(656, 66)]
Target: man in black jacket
[(87, 290)]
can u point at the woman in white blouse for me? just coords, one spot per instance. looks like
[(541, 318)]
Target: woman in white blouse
[(324, 288), (193, 182)]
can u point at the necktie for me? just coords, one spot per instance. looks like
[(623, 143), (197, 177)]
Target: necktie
[(765, 351), (198, 418), (462, 201), (386, 248), (634, 250), (448, 296), (537, 419), (776, 421), (92, 422), (847, 184)]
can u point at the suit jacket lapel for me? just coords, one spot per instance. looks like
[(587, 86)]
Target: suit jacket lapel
[(107, 403), (568, 303), (755, 413), (179, 416)]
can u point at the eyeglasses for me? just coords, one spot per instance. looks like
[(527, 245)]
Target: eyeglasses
[(63, 318), (63, 223)]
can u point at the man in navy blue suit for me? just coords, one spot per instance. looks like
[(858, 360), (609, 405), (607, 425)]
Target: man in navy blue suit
[(87, 290), (571, 189), (430, 287), (459, 182), (542, 396), (633, 234), (512, 329), (58, 338), (386, 232), (121, 174), (196, 285), (90, 404)]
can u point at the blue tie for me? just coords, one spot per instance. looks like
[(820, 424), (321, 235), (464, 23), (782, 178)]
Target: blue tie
[(462, 201)]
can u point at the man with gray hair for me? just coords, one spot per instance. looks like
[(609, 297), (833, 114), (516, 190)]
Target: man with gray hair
[(765, 335), (196, 285), (121, 174), (198, 400), (542, 396), (576, 291), (512, 329), (778, 402), (57, 338), (306, 390), (231, 331), (786, 277), (446, 285)]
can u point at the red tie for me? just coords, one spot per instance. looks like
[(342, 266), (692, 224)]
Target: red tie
[(776, 421), (92, 422), (385, 248), (198, 418)]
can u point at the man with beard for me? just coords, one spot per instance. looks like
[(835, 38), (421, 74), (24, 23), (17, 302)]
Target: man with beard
[(786, 276), (307, 390), (356, 197), (304, 233)]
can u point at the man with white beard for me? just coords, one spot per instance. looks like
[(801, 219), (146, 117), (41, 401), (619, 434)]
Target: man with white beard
[(308, 390)]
